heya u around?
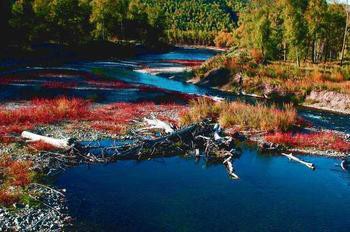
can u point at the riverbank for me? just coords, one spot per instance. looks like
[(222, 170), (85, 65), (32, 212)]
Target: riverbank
[(272, 129), (243, 72)]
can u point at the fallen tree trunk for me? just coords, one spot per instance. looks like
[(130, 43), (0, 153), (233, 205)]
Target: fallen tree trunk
[(203, 136), (296, 159), (58, 143)]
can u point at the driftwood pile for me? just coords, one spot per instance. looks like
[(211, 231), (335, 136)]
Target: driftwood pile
[(203, 140)]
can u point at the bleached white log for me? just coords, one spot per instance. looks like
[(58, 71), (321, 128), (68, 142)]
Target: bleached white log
[(59, 143), (296, 159), (228, 164), (158, 124)]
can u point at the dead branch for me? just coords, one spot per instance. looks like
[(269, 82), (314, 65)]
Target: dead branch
[(58, 143), (296, 159)]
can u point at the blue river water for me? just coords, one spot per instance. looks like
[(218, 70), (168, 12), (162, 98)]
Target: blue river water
[(179, 194)]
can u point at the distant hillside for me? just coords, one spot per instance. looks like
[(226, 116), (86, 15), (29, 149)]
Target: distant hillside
[(200, 19), (205, 15)]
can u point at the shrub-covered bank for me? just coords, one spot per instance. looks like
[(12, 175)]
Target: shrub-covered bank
[(244, 72), (274, 129)]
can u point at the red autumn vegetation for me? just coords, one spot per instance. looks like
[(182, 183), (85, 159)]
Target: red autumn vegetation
[(41, 146), (13, 173), (19, 173), (7, 198), (116, 117), (319, 140), (113, 117), (40, 111)]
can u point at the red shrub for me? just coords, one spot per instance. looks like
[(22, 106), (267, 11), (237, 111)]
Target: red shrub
[(13, 173), (106, 126), (41, 111), (319, 140), (121, 112), (5, 162), (19, 173), (41, 146), (6, 139), (8, 199), (116, 117)]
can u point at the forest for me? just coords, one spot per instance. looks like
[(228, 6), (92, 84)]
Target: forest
[(78, 21), (280, 30)]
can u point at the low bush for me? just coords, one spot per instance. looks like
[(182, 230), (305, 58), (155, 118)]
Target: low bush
[(7, 198), (41, 146), (241, 115), (15, 176), (40, 111), (319, 140)]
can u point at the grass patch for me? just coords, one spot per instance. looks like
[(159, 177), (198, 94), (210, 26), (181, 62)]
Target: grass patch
[(241, 116)]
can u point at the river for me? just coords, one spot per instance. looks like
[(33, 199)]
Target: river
[(179, 194)]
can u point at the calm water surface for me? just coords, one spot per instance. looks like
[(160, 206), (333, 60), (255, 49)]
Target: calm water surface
[(178, 194)]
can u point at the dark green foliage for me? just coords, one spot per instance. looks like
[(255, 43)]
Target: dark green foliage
[(26, 22), (198, 21)]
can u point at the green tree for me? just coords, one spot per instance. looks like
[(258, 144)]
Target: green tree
[(316, 21), (108, 17), (295, 28), (260, 28)]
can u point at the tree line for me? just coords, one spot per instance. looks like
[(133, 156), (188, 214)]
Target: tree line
[(279, 29), (150, 21), (198, 21), (294, 29), (25, 22)]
